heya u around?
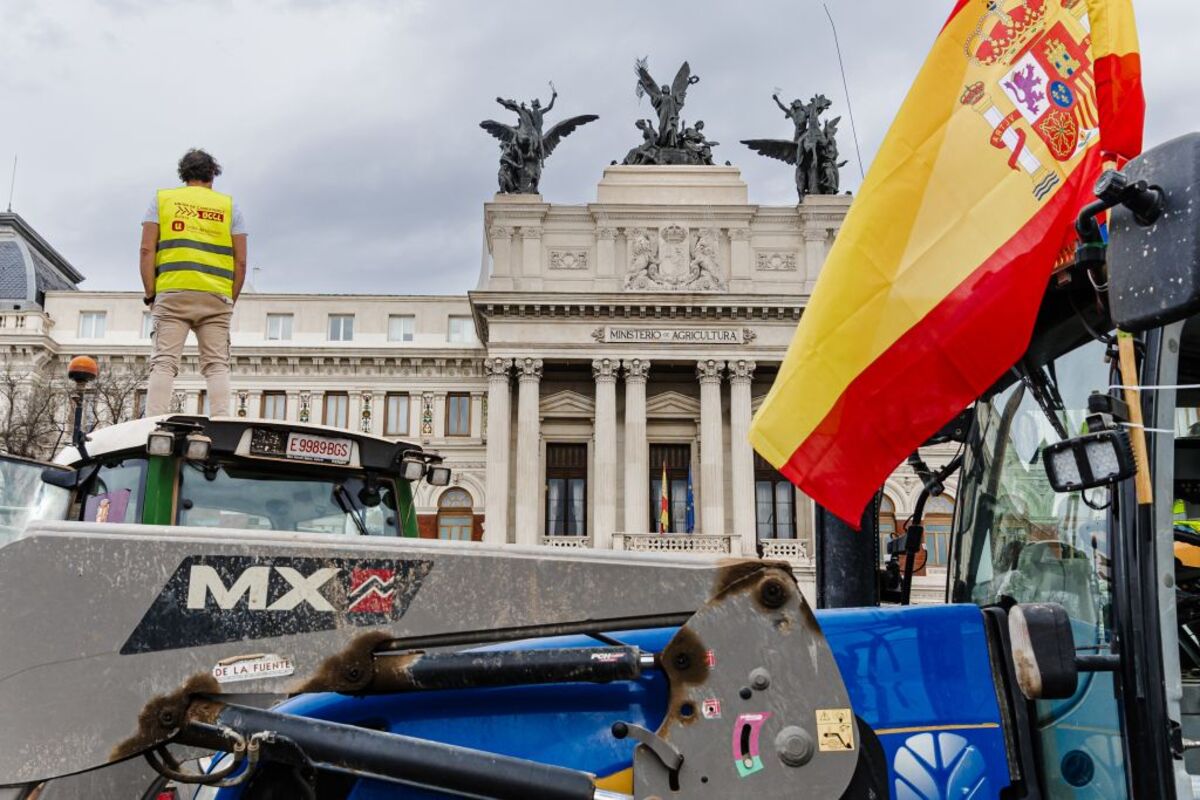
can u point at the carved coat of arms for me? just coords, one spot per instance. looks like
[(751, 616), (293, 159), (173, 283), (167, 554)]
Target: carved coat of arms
[(674, 259), (1045, 91)]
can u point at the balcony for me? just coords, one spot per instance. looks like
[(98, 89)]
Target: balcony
[(567, 542), (713, 544), (791, 550)]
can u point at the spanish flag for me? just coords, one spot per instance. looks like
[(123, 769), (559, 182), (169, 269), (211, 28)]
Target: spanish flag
[(932, 286), (664, 504)]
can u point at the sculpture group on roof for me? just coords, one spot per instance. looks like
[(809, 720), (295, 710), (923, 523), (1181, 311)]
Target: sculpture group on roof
[(668, 139)]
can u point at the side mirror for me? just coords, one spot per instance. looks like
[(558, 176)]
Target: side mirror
[(62, 477), (1154, 266), (1044, 657), (1085, 462)]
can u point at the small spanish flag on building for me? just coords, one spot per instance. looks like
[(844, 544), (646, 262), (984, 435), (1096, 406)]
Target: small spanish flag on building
[(664, 503), (932, 286)]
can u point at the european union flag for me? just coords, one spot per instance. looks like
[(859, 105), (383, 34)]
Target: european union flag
[(691, 504)]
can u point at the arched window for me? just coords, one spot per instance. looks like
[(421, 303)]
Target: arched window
[(455, 520), (887, 525), (939, 513)]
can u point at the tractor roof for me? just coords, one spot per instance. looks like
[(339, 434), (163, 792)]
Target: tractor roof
[(226, 433)]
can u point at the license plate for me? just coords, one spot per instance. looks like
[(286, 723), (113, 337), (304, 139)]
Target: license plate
[(306, 447)]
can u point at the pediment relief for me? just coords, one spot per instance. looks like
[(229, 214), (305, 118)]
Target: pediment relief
[(567, 403), (672, 405)]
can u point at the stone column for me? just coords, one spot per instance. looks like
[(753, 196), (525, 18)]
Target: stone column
[(606, 254), (439, 415), (637, 449), (739, 254), (501, 277), (814, 254), (379, 415), (531, 254), (741, 373), (293, 405), (495, 521), (604, 471), (712, 455), (529, 467)]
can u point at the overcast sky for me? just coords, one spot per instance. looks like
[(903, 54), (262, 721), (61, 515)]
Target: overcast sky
[(349, 130)]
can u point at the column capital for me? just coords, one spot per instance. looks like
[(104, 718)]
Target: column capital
[(529, 370), (815, 234), (531, 233), (637, 370), (739, 234), (500, 232), (497, 369), (604, 370), (709, 370), (741, 371), (606, 233)]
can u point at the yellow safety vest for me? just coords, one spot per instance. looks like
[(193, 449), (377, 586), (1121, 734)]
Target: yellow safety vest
[(195, 241)]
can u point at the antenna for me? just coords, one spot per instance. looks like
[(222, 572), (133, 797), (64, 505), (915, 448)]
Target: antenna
[(846, 89), (12, 184)]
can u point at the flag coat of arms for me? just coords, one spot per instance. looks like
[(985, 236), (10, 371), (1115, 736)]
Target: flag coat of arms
[(932, 286)]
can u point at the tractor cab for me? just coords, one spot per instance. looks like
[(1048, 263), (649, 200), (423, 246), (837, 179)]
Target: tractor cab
[(230, 473)]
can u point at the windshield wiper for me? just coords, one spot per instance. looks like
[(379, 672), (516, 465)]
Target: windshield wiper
[(342, 495), (1045, 393)]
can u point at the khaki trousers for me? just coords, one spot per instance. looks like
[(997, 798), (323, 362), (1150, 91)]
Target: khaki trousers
[(174, 314)]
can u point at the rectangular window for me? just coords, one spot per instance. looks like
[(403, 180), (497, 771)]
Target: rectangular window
[(458, 415), (401, 327), (202, 403), (460, 330), (274, 405), (566, 489), (147, 324), (337, 409), (91, 324), (774, 502), (341, 327), (139, 404), (676, 458), (279, 327), (396, 419)]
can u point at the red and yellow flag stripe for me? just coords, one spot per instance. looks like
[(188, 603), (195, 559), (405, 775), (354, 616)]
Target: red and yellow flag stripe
[(931, 289)]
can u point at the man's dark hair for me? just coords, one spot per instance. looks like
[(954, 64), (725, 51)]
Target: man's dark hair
[(197, 165)]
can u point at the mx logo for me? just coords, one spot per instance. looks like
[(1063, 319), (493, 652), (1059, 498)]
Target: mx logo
[(217, 599)]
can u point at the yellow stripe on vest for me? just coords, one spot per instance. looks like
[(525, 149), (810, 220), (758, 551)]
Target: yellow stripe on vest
[(195, 241)]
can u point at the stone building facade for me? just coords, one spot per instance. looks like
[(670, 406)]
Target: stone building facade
[(606, 346)]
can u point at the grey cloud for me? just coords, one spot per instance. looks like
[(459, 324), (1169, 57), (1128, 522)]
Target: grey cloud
[(349, 130)]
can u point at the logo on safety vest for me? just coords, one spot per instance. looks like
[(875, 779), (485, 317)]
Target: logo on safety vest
[(188, 210), (177, 225)]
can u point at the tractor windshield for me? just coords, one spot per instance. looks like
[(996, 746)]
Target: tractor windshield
[(227, 496), (24, 497), (1017, 538)]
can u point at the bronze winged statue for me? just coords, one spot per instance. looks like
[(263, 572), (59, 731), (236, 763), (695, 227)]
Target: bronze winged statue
[(673, 142), (812, 150), (524, 148)]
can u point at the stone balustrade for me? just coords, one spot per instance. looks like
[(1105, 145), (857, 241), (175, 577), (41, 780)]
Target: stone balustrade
[(792, 550), (23, 322), (569, 542), (715, 544)]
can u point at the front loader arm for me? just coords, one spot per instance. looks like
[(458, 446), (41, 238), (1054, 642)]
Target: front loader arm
[(117, 639)]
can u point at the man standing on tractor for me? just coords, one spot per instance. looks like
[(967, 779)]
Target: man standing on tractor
[(193, 264)]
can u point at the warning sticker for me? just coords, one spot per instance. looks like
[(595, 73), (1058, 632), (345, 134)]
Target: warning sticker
[(711, 708), (835, 729)]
